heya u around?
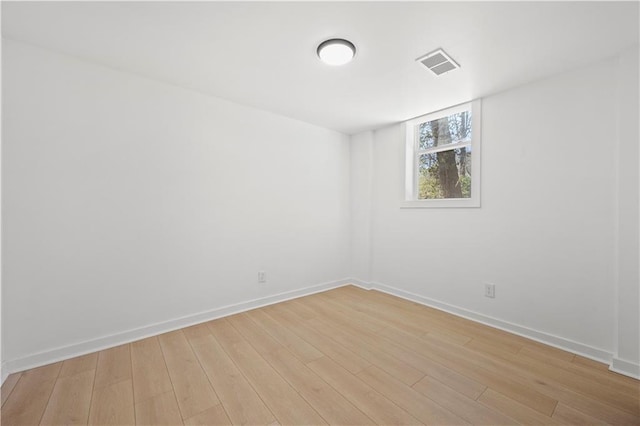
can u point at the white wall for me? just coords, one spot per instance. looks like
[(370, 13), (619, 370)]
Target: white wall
[(2, 368), (627, 350), (361, 168), (546, 232), (128, 202)]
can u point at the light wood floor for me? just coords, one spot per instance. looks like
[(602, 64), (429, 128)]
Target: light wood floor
[(346, 356)]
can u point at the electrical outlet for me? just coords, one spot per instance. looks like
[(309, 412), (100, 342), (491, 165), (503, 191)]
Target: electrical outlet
[(490, 290), (262, 277)]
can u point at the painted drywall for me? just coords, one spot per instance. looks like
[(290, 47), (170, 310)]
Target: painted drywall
[(545, 232), (128, 202), (2, 369), (627, 350), (361, 169)]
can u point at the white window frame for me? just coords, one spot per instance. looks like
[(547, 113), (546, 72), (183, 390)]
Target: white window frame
[(412, 152)]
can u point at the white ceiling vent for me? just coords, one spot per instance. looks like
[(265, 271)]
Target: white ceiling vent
[(438, 62)]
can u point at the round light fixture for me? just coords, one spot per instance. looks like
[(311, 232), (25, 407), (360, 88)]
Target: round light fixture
[(336, 51)]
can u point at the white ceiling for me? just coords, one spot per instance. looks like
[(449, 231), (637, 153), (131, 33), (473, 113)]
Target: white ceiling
[(263, 54)]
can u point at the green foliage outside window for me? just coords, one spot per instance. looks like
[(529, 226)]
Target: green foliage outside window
[(446, 173)]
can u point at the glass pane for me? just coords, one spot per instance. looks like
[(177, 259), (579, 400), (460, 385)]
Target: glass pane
[(445, 174), (452, 129)]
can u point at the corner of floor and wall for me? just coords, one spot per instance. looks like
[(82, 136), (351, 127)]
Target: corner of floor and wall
[(167, 217)]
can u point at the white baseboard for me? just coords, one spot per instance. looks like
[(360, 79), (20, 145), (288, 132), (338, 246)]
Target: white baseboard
[(625, 367), (105, 342), (5, 374), (359, 283), (58, 354), (539, 336)]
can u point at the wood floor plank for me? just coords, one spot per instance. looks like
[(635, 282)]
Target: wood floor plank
[(190, 383), (337, 310), (210, 417), (416, 404), (363, 396), (425, 365), (536, 349), (419, 363), (408, 315), (470, 410), (469, 369), (114, 365), (149, 372), (520, 383), (626, 400), (284, 402), (490, 348), (591, 407), (332, 406), (346, 358), (590, 363), (467, 363), (196, 331), (610, 391), (158, 410), (44, 373), (79, 364), (514, 409), (298, 346), (113, 404), (456, 381), (70, 400), (241, 402), (365, 337), (302, 310), (8, 385), (475, 367), (383, 313), (354, 343), (594, 371), (400, 314), (30, 396), (405, 314), (569, 416), (449, 336)]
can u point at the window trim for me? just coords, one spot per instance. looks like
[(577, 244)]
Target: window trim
[(410, 183)]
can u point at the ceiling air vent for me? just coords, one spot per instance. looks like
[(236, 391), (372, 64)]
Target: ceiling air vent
[(438, 62)]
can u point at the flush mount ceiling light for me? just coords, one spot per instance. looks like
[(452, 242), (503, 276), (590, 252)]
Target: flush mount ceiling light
[(336, 51)]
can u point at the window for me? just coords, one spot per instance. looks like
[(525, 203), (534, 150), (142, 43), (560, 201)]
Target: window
[(443, 158)]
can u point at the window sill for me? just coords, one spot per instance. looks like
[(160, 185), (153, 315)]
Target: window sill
[(450, 203)]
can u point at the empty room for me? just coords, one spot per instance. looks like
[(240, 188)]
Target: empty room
[(309, 213)]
